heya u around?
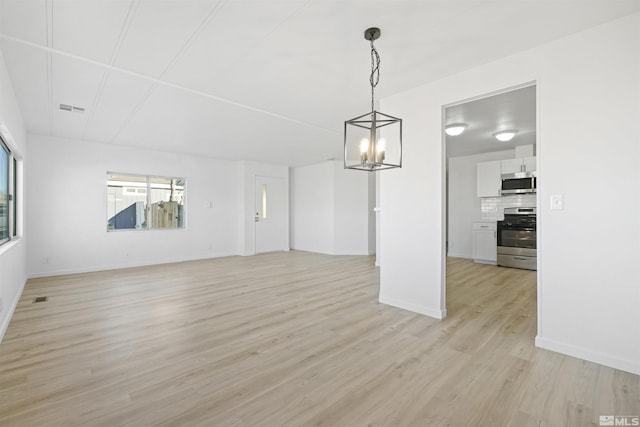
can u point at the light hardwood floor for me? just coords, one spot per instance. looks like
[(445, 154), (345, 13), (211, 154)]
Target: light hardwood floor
[(290, 339)]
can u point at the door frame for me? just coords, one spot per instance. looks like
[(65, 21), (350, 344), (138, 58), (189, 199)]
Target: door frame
[(445, 189), (285, 236)]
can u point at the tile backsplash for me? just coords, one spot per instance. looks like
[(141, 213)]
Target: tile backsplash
[(492, 208)]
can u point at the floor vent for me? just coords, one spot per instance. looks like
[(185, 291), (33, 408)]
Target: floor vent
[(40, 299)]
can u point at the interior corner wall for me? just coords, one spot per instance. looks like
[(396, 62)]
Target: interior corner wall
[(67, 208), (312, 208), (464, 203), (13, 254), (330, 209), (249, 172), (351, 214), (588, 84)]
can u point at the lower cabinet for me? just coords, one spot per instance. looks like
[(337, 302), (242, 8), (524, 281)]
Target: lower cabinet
[(485, 242)]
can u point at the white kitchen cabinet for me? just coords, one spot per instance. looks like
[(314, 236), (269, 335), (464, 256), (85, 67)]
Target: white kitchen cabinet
[(489, 182), (529, 163), (519, 164), (511, 165), (485, 242)]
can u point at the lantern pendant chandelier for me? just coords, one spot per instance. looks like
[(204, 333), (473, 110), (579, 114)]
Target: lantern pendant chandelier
[(373, 141)]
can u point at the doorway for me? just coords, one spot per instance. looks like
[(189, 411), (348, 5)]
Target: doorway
[(475, 160), (270, 215)]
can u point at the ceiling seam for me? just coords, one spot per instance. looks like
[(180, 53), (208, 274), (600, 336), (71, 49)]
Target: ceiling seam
[(193, 36), (133, 8), (131, 13), (248, 51), (96, 100), (168, 68), (135, 110), (166, 83)]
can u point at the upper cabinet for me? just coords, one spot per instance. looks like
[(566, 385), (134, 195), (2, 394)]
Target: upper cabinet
[(511, 165), (529, 163), (519, 164), (489, 173), (489, 179)]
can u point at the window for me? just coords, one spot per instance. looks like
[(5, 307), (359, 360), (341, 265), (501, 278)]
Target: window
[(15, 195), (136, 202), (8, 187), (264, 201)]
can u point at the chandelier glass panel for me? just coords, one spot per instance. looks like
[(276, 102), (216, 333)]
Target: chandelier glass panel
[(373, 141)]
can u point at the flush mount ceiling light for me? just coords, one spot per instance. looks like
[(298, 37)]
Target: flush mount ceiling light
[(455, 129), (373, 141), (505, 135)]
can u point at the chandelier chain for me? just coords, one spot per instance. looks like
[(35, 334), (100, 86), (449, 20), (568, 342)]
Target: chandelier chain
[(375, 73)]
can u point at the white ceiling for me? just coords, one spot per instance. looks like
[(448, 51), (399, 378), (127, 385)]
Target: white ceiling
[(515, 109), (263, 80)]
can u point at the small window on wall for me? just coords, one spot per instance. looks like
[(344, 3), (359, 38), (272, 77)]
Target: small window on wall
[(136, 202), (8, 192)]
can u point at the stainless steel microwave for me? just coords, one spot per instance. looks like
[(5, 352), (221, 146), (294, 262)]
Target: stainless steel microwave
[(518, 183)]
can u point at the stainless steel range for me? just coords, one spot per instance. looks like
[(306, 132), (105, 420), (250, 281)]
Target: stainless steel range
[(517, 239)]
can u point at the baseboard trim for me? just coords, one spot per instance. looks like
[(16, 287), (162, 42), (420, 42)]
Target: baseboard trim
[(482, 261), (427, 311), (94, 269), (11, 311), (352, 253), (457, 255), (348, 253), (589, 355)]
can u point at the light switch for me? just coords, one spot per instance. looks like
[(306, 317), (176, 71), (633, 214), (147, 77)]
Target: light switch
[(557, 202)]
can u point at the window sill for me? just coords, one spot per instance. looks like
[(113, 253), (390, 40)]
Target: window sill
[(8, 245), (129, 230)]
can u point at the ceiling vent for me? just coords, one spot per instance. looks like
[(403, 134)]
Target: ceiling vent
[(71, 108)]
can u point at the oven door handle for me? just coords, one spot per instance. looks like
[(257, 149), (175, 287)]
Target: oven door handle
[(517, 228)]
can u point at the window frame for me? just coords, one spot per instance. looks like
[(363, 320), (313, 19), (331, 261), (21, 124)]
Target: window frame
[(14, 196), (148, 202), (11, 192)]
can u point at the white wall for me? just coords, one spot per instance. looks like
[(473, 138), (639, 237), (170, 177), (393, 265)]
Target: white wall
[(312, 198), (588, 92), (371, 205), (351, 215), (331, 209), (13, 255), (464, 203), (67, 208), (249, 172)]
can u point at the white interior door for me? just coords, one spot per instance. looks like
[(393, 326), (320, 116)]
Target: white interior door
[(270, 215)]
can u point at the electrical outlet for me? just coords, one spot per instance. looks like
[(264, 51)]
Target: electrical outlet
[(557, 202)]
